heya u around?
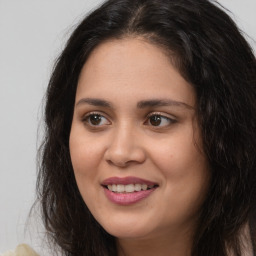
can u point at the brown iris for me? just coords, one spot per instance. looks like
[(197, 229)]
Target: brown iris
[(155, 120), (95, 119)]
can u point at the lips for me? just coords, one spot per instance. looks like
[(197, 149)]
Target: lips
[(128, 190)]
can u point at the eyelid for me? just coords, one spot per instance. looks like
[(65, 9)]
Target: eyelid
[(168, 117), (100, 113), (171, 118), (87, 115), (161, 114)]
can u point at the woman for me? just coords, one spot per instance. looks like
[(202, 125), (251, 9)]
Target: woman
[(150, 138)]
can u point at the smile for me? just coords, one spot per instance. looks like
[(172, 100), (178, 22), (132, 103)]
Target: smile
[(128, 190)]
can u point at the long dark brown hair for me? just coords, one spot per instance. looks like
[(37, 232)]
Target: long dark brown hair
[(208, 49)]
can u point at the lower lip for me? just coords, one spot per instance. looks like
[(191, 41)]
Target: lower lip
[(127, 198)]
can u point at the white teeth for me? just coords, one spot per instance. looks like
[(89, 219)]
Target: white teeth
[(130, 188), (144, 187), (114, 189), (120, 188), (137, 187)]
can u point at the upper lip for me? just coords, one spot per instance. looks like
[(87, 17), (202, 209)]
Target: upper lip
[(127, 180)]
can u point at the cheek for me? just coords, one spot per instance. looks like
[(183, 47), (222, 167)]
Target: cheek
[(185, 171), (86, 156), (177, 153), (84, 151)]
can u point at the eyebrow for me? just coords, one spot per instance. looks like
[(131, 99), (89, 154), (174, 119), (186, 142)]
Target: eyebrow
[(141, 104), (162, 103), (94, 102)]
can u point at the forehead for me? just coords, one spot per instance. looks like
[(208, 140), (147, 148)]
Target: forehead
[(132, 66)]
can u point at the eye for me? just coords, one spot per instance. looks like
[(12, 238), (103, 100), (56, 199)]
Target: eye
[(95, 119), (158, 120)]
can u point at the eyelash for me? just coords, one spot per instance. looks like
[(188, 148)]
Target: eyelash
[(87, 121), (160, 115)]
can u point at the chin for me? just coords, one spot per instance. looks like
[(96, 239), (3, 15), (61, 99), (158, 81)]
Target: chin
[(128, 229), (127, 233)]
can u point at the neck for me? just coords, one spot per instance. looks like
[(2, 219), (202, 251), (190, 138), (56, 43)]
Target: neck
[(175, 245)]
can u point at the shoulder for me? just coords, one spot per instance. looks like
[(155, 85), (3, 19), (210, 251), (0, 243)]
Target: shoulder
[(21, 250)]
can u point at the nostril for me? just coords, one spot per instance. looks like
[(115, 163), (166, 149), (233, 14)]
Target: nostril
[(119, 163), (125, 157)]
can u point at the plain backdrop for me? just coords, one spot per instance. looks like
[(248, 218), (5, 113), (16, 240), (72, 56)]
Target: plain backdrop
[(32, 34)]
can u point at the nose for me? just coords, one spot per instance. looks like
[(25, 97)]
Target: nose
[(125, 148)]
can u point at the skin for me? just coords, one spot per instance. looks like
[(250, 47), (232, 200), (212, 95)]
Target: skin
[(126, 142)]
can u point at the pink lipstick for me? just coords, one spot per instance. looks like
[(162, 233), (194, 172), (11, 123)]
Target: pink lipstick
[(127, 190)]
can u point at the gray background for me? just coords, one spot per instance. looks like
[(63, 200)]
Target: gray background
[(32, 33)]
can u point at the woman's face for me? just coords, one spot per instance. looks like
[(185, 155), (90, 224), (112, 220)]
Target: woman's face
[(135, 142)]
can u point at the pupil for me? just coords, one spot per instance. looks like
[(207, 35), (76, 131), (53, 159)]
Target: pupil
[(155, 120), (95, 119)]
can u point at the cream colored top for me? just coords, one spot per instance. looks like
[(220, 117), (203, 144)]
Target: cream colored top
[(21, 250)]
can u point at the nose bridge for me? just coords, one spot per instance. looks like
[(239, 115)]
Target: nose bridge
[(125, 146), (124, 134)]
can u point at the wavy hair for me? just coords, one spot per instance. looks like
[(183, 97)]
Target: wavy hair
[(209, 51)]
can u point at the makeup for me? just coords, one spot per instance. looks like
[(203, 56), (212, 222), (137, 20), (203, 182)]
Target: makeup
[(127, 190)]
